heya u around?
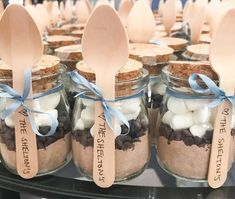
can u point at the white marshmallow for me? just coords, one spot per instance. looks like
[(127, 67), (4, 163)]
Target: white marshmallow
[(194, 104), (198, 130), (176, 105), (117, 129), (128, 106), (133, 116), (9, 121), (49, 102), (79, 125), (202, 115), (88, 103), (159, 89), (181, 121), (88, 115), (167, 117), (43, 119)]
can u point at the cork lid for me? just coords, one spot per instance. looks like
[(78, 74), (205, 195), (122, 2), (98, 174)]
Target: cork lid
[(48, 64), (150, 53), (77, 33), (131, 71), (199, 49), (56, 31), (177, 44), (205, 38), (71, 27), (176, 27), (183, 69), (69, 53), (55, 41), (205, 29), (158, 34)]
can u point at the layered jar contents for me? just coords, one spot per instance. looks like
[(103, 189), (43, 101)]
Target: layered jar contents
[(197, 52), (53, 151), (131, 148), (56, 41), (186, 128), (154, 58)]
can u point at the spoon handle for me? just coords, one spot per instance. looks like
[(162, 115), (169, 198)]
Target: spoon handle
[(104, 150), (220, 148)]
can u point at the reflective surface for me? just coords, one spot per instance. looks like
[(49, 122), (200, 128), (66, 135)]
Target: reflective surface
[(152, 183)]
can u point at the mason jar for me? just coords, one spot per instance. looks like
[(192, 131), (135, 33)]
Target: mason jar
[(131, 148), (154, 58), (186, 124), (53, 151)]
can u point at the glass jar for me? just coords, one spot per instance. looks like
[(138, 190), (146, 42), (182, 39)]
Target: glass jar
[(186, 124), (154, 58), (131, 149), (53, 151)]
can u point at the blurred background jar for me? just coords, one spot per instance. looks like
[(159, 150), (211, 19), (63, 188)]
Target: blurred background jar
[(154, 58), (186, 125), (53, 151), (131, 148)]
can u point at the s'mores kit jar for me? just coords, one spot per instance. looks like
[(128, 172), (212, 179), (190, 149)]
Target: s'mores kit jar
[(49, 102), (131, 146), (154, 58), (187, 119)]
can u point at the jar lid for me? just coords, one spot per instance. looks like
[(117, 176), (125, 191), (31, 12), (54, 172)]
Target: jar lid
[(205, 38), (158, 34), (77, 33), (69, 53), (48, 64), (176, 27), (150, 53), (205, 29), (178, 44), (72, 27), (131, 71), (56, 31), (198, 52), (56, 41)]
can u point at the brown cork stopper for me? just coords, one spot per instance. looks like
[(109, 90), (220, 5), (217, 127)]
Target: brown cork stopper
[(183, 69), (56, 41), (177, 44), (176, 27), (198, 51), (77, 33), (150, 53), (205, 39), (71, 27), (69, 53), (56, 31)]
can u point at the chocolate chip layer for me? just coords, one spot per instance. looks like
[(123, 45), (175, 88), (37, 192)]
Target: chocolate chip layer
[(123, 142), (154, 101)]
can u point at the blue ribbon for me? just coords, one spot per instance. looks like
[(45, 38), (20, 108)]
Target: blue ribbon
[(109, 112), (10, 93), (219, 95)]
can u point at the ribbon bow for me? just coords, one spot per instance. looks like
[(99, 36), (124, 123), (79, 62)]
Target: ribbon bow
[(219, 94), (109, 112), (10, 93)]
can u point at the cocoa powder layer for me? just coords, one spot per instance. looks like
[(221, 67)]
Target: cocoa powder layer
[(186, 161), (49, 158), (128, 162)]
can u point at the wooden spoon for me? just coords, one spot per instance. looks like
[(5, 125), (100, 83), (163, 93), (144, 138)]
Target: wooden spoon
[(82, 11), (222, 61), (21, 47), (68, 10), (124, 10), (169, 15), (141, 23), (105, 50)]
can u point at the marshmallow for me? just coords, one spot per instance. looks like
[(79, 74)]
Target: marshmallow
[(128, 106), (181, 121), (79, 125), (176, 105), (88, 115), (88, 102), (117, 129), (49, 102), (158, 88), (194, 104), (9, 121), (43, 119), (167, 117), (133, 116), (198, 130), (202, 115)]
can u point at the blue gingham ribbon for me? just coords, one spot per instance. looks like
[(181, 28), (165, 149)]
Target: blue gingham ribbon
[(10, 93)]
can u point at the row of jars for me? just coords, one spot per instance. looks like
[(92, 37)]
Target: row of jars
[(185, 126)]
